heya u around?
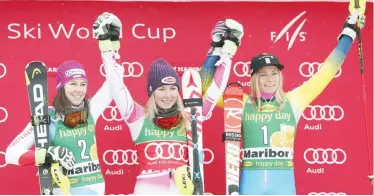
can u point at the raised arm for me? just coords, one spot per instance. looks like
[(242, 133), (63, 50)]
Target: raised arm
[(226, 37), (100, 101), (302, 96), (131, 112)]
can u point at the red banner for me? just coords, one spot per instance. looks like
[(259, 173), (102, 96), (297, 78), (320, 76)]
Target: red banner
[(331, 149)]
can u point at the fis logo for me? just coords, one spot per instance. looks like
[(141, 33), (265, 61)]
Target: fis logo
[(297, 34)]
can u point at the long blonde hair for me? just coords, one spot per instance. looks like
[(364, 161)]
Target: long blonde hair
[(151, 111), (280, 95)]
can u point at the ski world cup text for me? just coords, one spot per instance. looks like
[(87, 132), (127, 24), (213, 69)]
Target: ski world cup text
[(141, 31), (41, 131), (67, 31)]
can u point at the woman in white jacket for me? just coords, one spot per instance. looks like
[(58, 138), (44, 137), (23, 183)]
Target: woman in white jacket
[(159, 128)]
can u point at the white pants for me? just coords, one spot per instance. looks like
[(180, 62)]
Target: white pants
[(93, 189), (156, 184)]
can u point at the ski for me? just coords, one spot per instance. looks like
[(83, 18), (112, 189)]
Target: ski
[(233, 110), (37, 86), (192, 100)]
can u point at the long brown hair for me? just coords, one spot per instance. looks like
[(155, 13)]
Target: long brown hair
[(62, 105)]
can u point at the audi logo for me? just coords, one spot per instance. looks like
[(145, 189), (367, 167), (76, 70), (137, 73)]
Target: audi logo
[(174, 151), (133, 69), (324, 193), (4, 68), (308, 69), (130, 157), (5, 163), (325, 156), (5, 116), (112, 115), (323, 112), (242, 69), (120, 157)]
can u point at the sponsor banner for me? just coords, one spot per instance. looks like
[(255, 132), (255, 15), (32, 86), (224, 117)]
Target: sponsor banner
[(330, 138)]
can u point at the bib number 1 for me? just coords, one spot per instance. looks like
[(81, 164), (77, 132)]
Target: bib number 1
[(264, 129)]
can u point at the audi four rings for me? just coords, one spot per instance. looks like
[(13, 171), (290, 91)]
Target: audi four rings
[(325, 156), (308, 69), (323, 112), (5, 115), (120, 157), (114, 114), (129, 157), (176, 151), (133, 69), (3, 72)]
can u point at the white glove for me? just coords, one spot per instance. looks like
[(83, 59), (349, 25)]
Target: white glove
[(218, 31), (63, 155), (229, 33), (107, 28), (233, 38), (353, 22)]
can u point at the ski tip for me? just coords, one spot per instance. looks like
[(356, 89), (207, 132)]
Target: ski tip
[(234, 85), (31, 63), (234, 88)]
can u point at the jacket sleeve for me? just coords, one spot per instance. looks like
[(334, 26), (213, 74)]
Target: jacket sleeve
[(131, 112), (303, 95), (100, 101), (214, 77), (18, 152)]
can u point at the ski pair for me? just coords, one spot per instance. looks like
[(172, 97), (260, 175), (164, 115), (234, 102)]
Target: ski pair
[(233, 110), (37, 86)]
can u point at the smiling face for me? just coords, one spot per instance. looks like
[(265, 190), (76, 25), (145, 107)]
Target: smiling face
[(166, 96), (269, 79), (75, 91)]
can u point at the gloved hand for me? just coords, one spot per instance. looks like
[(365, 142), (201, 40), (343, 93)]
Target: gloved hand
[(226, 37), (107, 28), (55, 154), (352, 24)]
